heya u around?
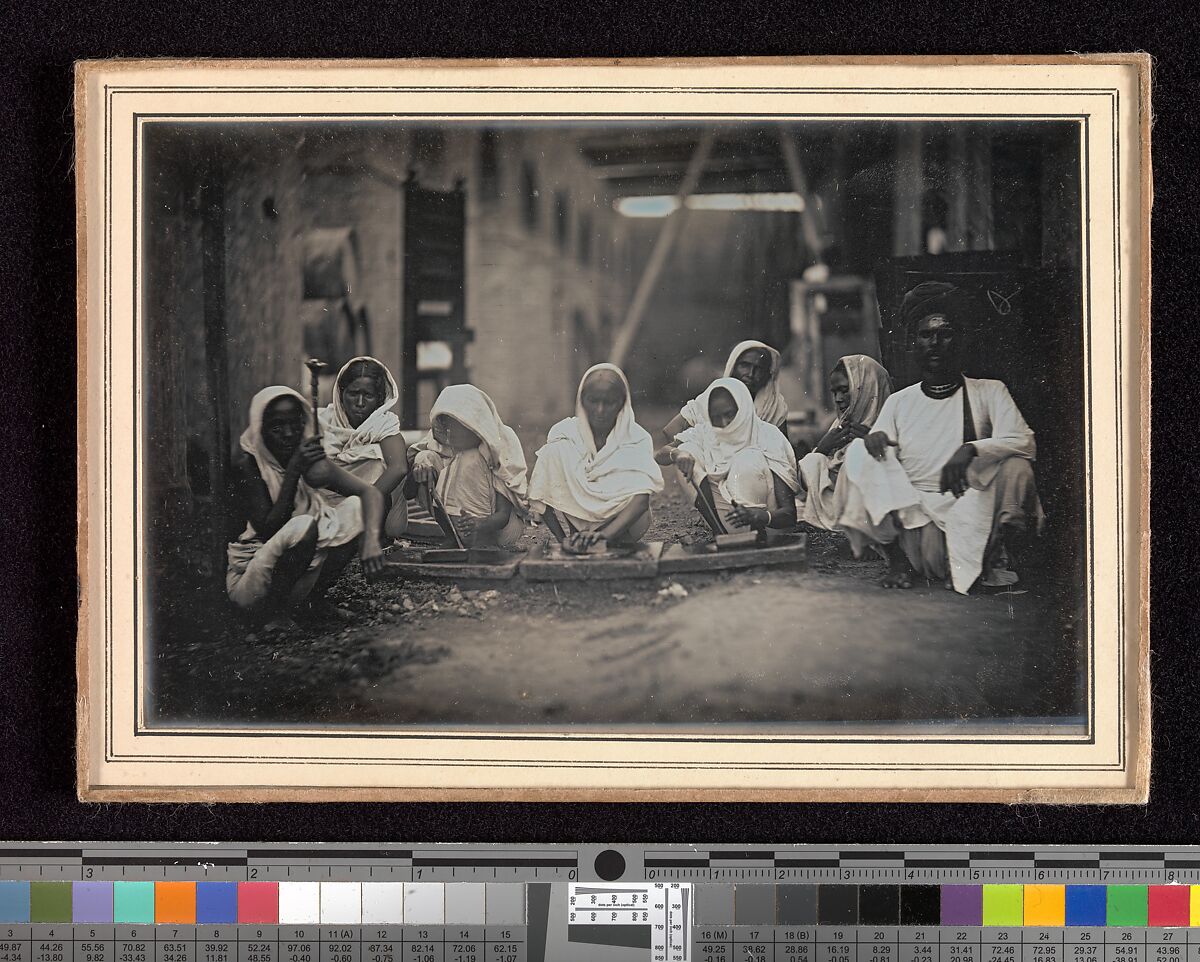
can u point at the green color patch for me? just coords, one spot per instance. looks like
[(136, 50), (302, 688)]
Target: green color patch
[(1128, 905), (1003, 905), (49, 901), (133, 903)]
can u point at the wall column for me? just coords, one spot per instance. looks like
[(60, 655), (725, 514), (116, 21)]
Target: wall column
[(908, 235)]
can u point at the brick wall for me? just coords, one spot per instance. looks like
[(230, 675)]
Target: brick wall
[(540, 310), (527, 294)]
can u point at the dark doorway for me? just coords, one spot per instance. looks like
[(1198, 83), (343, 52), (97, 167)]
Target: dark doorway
[(435, 329)]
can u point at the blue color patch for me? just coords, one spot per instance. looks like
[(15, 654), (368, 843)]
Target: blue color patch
[(14, 901), (1086, 905), (216, 903)]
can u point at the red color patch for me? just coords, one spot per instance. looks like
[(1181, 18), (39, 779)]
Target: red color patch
[(258, 903), (1169, 905)]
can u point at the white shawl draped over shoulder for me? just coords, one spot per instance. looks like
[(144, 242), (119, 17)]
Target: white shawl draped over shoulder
[(335, 526), (713, 447), (927, 432), (870, 385), (346, 445), (500, 446), (572, 476)]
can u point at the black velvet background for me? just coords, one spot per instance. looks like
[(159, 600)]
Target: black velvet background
[(37, 325)]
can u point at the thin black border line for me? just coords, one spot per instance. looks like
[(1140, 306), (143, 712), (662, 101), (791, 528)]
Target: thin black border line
[(1118, 318), (535, 763), (552, 737), (138, 730), (421, 762), (139, 119), (951, 92), (607, 115), (138, 493), (1085, 160), (718, 91), (376, 760), (109, 721)]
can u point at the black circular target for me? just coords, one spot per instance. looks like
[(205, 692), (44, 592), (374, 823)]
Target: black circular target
[(610, 865)]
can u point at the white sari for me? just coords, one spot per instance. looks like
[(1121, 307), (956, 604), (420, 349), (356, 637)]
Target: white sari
[(590, 485), (870, 386), (470, 481), (357, 449), (742, 458)]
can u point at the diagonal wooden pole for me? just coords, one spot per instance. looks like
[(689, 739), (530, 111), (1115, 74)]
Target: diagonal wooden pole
[(667, 236), (810, 230)]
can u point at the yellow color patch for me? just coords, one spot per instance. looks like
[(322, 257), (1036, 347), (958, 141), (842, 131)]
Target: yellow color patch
[(1195, 919), (1045, 905)]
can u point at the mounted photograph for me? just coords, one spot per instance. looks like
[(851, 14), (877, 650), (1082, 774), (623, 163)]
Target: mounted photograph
[(751, 429)]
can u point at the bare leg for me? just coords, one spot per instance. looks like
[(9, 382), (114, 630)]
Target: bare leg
[(1018, 517), (395, 521), (484, 539), (314, 604), (554, 525), (900, 571), (627, 519), (336, 560), (293, 564)]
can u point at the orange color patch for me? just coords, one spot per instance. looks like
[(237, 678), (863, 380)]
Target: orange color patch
[(175, 902)]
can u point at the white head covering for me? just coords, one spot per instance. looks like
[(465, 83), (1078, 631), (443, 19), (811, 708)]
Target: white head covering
[(870, 386), (471, 407), (715, 447), (572, 476), (308, 499), (347, 444), (769, 403)]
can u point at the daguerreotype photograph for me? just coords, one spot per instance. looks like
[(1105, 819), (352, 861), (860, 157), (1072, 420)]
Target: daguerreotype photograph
[(570, 429)]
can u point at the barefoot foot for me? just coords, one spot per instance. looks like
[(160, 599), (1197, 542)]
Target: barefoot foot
[(900, 572), (324, 610), (281, 624), (897, 579)]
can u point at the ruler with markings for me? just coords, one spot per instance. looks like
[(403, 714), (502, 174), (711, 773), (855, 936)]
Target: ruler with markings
[(234, 902)]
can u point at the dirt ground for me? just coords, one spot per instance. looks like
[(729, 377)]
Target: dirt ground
[(761, 645)]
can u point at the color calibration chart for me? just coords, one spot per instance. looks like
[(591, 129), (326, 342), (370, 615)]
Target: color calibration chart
[(237, 902)]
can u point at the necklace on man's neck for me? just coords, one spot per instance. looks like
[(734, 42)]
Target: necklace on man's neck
[(940, 391)]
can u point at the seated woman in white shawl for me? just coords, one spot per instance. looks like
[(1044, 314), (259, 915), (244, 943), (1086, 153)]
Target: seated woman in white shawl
[(596, 472), (474, 463), (756, 365), (859, 385), (296, 540), (361, 434), (742, 469)]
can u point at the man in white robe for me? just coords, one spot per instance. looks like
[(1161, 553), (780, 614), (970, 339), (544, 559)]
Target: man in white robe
[(946, 476)]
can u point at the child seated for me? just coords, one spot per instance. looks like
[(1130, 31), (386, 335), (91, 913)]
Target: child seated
[(756, 365), (296, 541), (742, 469), (472, 461), (596, 472)]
